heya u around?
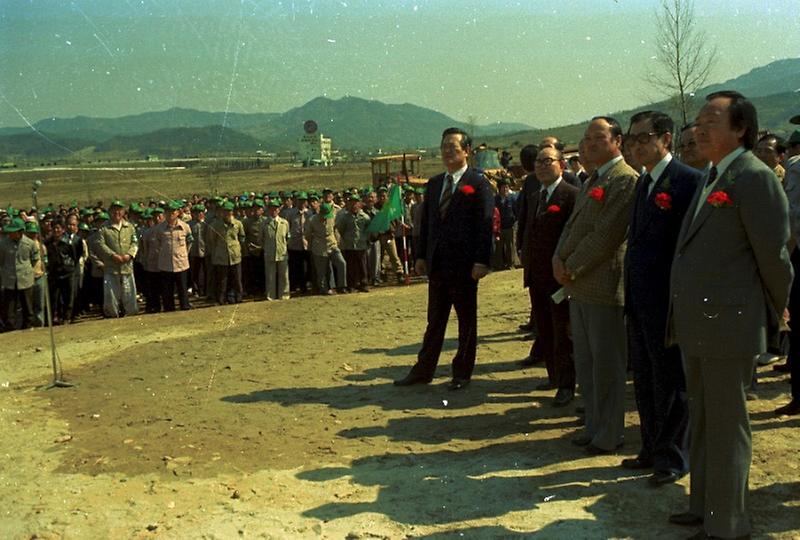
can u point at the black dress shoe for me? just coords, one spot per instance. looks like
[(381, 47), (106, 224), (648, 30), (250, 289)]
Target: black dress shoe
[(791, 408), (686, 519), (458, 384), (636, 463), (593, 450), (412, 378), (581, 440), (529, 337), (527, 327), (563, 397), (580, 409), (527, 362), (547, 385), (783, 368), (660, 478)]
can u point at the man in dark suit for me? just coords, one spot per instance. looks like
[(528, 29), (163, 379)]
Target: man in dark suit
[(455, 248), (662, 198), (729, 286), (548, 214), (528, 195)]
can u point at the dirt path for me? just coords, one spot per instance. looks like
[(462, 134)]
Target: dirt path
[(279, 420)]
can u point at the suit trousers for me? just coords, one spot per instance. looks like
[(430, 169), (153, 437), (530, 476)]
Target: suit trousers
[(322, 267), (13, 300), (276, 279), (299, 269), (39, 316), (228, 283), (598, 337), (356, 260), (374, 262), (152, 291), (721, 444), (553, 344), (62, 296), (794, 325), (660, 389), (390, 257), (197, 266), (119, 295), (444, 294), (505, 253), (170, 282)]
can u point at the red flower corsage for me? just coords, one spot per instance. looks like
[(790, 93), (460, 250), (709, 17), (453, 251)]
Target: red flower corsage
[(719, 199), (553, 209), (597, 194), (467, 189), (664, 200)]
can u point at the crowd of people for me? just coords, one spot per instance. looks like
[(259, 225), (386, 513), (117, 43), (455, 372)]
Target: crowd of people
[(676, 266)]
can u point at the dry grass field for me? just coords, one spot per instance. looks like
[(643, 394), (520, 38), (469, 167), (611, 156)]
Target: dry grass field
[(90, 184)]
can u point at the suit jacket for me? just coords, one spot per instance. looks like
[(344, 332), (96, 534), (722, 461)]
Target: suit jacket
[(274, 237), (17, 260), (731, 273), (542, 234), (528, 195), (651, 242), (451, 246), (592, 245)]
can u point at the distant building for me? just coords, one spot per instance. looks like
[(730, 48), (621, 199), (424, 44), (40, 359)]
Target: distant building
[(315, 149)]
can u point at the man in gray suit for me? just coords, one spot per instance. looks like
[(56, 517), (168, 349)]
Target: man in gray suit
[(729, 285), (588, 263)]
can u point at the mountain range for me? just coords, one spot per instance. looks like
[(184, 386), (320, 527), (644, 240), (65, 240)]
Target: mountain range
[(352, 123)]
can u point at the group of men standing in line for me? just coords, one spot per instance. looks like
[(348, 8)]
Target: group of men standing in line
[(681, 271)]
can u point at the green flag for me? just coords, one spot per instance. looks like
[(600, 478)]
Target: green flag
[(392, 209)]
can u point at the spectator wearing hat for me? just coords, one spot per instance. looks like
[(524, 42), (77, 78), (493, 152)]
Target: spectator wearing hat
[(173, 240), (352, 223), (18, 256), (505, 253), (148, 251), (253, 256), (791, 185), (299, 256), (63, 257), (32, 232), (225, 239), (197, 251), (275, 238), (369, 201), (117, 246), (321, 237)]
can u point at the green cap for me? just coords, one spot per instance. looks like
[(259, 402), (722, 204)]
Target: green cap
[(103, 215), (158, 210), (83, 226), (275, 203), (87, 212), (118, 203), (259, 203), (301, 196), (326, 210), (382, 188), (31, 227), (313, 197), (794, 138), (175, 205), (147, 213), (246, 204), (199, 208), (228, 205), (15, 225), (274, 194), (355, 197)]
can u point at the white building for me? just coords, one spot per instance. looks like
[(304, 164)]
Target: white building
[(315, 149)]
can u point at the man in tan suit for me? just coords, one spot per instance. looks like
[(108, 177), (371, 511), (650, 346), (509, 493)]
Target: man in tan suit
[(728, 288), (588, 263), (275, 237)]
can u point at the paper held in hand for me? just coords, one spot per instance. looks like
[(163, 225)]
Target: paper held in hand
[(559, 296)]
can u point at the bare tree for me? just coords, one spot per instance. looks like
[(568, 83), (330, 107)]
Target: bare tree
[(682, 52), (472, 125)]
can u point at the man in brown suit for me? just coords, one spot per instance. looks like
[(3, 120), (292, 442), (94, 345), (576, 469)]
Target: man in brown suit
[(548, 212), (588, 262)]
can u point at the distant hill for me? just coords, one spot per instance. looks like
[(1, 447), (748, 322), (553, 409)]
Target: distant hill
[(774, 78), (181, 142)]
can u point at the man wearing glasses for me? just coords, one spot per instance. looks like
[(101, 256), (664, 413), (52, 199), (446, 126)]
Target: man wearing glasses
[(662, 198)]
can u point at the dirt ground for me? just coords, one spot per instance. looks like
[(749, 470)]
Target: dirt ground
[(279, 420)]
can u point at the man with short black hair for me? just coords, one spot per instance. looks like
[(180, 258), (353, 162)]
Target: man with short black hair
[(729, 286), (688, 152), (455, 252), (662, 198), (771, 149)]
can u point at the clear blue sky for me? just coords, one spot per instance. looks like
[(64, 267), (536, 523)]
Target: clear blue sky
[(542, 63)]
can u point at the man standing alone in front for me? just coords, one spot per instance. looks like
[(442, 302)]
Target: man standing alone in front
[(455, 252), (729, 286)]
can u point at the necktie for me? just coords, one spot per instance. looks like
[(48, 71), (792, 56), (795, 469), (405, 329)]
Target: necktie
[(542, 202), (447, 192), (712, 175), (648, 180)]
